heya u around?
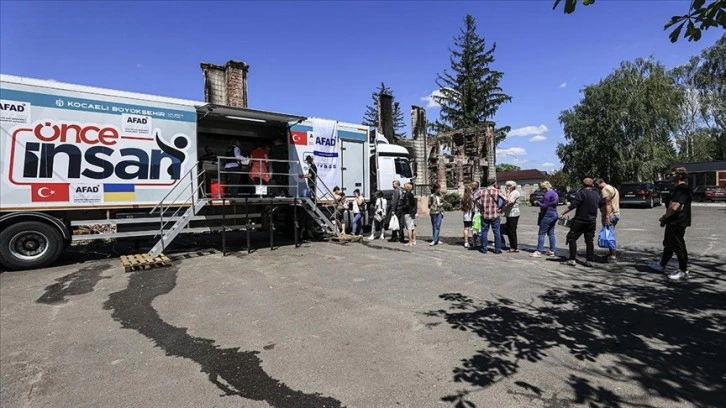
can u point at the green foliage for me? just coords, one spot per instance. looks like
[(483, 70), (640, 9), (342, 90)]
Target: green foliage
[(470, 94), (561, 179), (700, 17), (507, 167), (711, 84), (621, 128), (452, 201), (370, 117), (701, 135)]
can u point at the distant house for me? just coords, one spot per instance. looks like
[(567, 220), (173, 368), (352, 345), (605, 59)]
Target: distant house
[(522, 177), (527, 180), (705, 173)]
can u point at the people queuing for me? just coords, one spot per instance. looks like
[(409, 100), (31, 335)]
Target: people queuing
[(490, 205)]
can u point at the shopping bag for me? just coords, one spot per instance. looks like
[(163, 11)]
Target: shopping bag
[(606, 239), (393, 223), (476, 222)]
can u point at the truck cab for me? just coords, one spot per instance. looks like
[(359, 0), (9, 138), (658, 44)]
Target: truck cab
[(392, 162)]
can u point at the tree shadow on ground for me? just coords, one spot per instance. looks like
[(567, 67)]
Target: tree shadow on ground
[(666, 338)]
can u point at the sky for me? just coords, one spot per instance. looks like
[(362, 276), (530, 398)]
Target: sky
[(326, 58)]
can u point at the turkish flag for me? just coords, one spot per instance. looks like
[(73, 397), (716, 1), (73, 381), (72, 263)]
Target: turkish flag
[(298, 138), (49, 192)]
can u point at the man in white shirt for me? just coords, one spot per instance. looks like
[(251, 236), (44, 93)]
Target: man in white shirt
[(609, 208)]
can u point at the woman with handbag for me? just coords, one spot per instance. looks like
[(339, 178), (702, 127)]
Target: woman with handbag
[(379, 213), (436, 210)]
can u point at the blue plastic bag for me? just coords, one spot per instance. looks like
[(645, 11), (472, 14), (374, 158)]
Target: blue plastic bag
[(606, 239)]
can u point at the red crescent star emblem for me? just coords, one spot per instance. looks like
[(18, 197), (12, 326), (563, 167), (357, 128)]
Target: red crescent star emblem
[(298, 138)]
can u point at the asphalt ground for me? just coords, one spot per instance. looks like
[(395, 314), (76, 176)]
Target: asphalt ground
[(371, 324)]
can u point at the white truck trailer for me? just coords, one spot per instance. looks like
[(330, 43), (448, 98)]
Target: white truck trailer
[(73, 156)]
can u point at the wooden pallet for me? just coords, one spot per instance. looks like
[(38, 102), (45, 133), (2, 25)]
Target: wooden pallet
[(345, 238), (143, 261)]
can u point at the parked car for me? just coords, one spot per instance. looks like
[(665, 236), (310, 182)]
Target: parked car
[(538, 194), (666, 188), (644, 194), (709, 193)]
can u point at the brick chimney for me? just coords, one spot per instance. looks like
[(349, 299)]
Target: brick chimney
[(227, 84)]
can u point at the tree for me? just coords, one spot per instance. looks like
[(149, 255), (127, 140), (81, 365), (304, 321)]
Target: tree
[(621, 130), (471, 95), (700, 17), (711, 83), (507, 167), (561, 179), (370, 117), (684, 77)]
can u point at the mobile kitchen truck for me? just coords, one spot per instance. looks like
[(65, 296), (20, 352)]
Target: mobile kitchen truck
[(74, 156)]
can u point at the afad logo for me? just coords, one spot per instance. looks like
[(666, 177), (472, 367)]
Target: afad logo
[(72, 151), (12, 107)]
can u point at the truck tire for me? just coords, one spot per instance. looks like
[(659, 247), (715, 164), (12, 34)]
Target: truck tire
[(30, 245)]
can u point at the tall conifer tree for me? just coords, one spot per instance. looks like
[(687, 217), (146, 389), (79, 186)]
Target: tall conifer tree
[(470, 94)]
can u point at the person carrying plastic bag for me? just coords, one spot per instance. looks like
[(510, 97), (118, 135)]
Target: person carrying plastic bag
[(606, 239)]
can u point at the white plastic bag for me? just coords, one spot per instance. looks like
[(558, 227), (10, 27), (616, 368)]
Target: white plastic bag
[(393, 223)]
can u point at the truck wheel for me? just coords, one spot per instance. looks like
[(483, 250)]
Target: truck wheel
[(29, 245)]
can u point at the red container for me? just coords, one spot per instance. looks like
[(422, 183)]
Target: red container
[(216, 189)]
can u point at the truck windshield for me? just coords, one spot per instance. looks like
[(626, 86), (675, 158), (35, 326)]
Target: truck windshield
[(403, 168)]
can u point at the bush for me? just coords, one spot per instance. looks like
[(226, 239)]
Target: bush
[(452, 201)]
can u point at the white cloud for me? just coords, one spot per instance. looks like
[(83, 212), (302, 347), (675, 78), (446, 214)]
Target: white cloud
[(563, 85), (430, 102), (528, 131), (516, 161), (548, 165), (538, 138), (512, 151)]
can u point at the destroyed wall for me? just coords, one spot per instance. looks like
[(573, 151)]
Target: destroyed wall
[(226, 84), (472, 156)]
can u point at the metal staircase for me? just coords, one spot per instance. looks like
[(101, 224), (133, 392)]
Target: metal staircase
[(321, 216), (191, 183)]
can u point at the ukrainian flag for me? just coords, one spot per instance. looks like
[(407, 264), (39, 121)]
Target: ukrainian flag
[(119, 192)]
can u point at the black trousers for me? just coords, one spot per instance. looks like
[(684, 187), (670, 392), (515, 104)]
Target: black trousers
[(512, 231), (674, 241), (234, 179), (578, 229)]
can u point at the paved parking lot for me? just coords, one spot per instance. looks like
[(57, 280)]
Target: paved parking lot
[(373, 324)]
